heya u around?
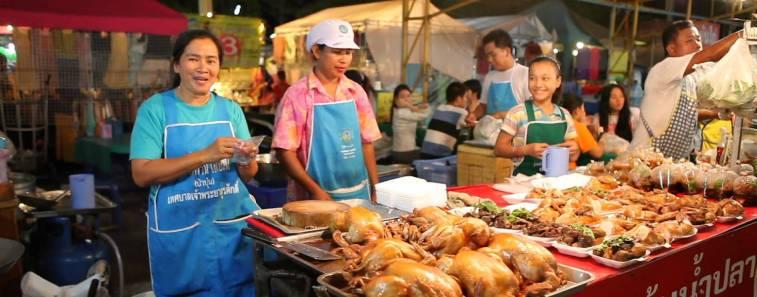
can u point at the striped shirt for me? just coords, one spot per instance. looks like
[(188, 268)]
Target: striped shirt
[(517, 118), (443, 130)]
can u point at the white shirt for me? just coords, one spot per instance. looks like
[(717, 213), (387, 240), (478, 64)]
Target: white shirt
[(404, 124), (517, 76), (661, 94)]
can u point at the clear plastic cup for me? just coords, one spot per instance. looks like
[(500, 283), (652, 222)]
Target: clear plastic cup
[(240, 156)]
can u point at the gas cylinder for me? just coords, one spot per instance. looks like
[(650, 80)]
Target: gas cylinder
[(62, 259)]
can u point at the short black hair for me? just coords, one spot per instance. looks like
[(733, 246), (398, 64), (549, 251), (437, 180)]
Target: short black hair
[(571, 102), (499, 37), (454, 90), (671, 33), (474, 85), (183, 41)]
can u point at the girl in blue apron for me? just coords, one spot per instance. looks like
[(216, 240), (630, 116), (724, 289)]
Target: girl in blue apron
[(181, 146), (531, 127), (325, 126)]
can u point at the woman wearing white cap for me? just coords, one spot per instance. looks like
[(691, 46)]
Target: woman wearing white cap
[(325, 125)]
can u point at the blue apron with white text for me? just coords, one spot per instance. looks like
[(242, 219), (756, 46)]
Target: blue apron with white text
[(335, 160), (501, 97), (194, 223)]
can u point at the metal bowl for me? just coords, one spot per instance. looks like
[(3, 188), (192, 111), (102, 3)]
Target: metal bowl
[(270, 172)]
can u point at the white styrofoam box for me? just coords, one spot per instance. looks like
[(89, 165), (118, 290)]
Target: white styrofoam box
[(407, 193)]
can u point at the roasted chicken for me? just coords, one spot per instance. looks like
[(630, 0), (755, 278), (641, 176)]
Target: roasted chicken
[(405, 277), (480, 274), (359, 223), (447, 238), (534, 262)]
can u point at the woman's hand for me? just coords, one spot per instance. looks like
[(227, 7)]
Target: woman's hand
[(535, 150), (220, 149), (320, 194), (573, 147)]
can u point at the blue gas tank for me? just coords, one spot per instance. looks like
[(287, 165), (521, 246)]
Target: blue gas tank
[(63, 260)]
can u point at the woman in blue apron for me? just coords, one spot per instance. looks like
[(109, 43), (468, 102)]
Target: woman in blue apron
[(181, 146), (325, 125), (531, 127)]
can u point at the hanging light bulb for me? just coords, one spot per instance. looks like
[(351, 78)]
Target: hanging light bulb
[(237, 9)]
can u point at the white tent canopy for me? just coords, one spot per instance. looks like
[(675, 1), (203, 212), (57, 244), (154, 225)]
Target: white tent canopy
[(523, 27), (452, 42)]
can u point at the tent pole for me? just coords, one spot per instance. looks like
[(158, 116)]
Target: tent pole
[(426, 49), (403, 61), (612, 40), (688, 10), (632, 50)]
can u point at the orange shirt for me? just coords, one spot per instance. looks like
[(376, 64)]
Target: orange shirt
[(585, 140)]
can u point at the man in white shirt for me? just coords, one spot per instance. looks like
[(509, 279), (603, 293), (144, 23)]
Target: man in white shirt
[(507, 84), (668, 114)]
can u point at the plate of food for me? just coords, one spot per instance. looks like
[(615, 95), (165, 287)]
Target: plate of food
[(543, 233), (510, 219), (578, 240), (676, 230), (619, 252), (729, 210)]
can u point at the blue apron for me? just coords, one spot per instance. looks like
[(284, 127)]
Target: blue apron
[(501, 97), (194, 235), (335, 160)]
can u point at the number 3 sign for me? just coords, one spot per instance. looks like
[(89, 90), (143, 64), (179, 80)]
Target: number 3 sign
[(231, 45)]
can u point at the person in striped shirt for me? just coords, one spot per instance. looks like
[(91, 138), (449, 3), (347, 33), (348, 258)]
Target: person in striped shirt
[(446, 122)]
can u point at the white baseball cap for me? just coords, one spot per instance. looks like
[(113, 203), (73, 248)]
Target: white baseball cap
[(332, 33)]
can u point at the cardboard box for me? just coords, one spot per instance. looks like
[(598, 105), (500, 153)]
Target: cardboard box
[(478, 165)]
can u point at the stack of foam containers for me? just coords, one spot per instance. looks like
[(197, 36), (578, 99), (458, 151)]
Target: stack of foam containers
[(408, 192)]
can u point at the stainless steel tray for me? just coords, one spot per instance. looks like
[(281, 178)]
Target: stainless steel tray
[(271, 215), (577, 280), (64, 207)]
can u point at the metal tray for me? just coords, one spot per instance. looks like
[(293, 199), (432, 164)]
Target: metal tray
[(64, 208), (270, 215), (577, 279)]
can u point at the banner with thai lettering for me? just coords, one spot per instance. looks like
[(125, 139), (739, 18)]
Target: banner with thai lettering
[(242, 38), (722, 265)]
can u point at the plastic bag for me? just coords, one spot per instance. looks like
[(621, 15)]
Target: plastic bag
[(730, 83), (612, 143), (487, 129)]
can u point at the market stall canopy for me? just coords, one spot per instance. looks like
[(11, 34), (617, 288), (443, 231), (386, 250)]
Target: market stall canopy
[(145, 16), (452, 42), (527, 27)]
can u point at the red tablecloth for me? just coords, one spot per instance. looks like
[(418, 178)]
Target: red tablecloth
[(719, 261)]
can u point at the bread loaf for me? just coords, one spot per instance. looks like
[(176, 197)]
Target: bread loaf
[(311, 213)]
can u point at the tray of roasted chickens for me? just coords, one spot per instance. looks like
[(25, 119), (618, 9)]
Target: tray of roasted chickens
[(276, 217), (337, 285), (434, 252)]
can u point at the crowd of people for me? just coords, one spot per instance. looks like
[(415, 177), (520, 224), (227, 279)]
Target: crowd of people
[(326, 125)]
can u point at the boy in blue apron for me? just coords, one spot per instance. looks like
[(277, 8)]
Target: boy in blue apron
[(507, 84), (325, 125), (181, 146), (531, 127)]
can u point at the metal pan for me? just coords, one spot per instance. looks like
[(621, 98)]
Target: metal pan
[(336, 285), (272, 215)]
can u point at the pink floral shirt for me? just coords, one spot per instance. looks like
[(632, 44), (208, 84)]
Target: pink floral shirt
[(293, 117)]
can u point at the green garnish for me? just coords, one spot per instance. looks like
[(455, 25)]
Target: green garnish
[(583, 229), (615, 243), (521, 213), (488, 206)]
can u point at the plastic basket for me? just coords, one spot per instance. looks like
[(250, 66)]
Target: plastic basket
[(268, 197), (442, 170)]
